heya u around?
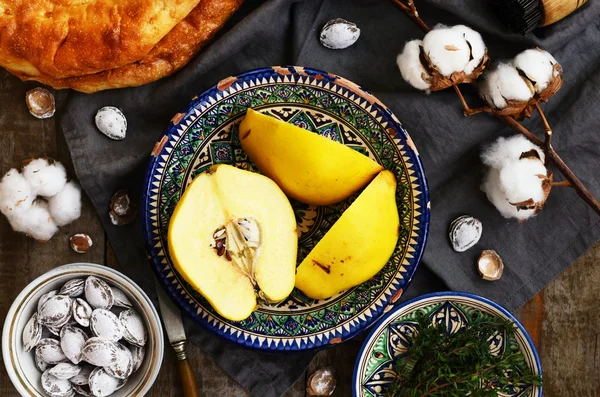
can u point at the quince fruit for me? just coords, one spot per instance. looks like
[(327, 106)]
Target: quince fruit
[(308, 167), (233, 238), (357, 246)]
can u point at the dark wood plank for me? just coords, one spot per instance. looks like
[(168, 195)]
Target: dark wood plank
[(342, 359), (298, 389), (21, 258), (570, 331), (531, 316)]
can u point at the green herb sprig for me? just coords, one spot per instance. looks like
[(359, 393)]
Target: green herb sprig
[(460, 364)]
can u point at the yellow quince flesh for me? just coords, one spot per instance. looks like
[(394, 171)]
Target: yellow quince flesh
[(308, 167), (233, 237), (357, 246)]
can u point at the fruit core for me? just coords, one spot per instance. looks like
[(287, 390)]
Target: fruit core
[(239, 240)]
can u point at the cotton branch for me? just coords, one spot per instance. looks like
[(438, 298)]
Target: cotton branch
[(411, 10), (571, 179)]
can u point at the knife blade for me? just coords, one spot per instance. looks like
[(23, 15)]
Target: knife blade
[(173, 324)]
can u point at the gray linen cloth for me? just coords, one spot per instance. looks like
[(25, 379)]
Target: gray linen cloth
[(280, 32)]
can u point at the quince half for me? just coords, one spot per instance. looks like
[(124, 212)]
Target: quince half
[(308, 167), (233, 237), (357, 246)]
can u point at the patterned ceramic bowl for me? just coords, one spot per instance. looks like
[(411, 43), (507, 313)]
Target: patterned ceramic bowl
[(206, 133), (456, 310), (20, 365)]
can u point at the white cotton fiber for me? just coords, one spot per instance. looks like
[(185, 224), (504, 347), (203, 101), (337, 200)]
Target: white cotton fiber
[(538, 66), (522, 180), (447, 50), (505, 150), (36, 222), (65, 206), (476, 43), (410, 65), (511, 179), (491, 187), (46, 178), (15, 193), (502, 84)]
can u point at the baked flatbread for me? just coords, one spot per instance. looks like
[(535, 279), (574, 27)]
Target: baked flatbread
[(124, 63)]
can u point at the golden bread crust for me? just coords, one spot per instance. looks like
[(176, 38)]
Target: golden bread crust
[(168, 56), (63, 38)]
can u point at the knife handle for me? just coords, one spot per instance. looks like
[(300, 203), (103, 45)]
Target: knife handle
[(188, 380)]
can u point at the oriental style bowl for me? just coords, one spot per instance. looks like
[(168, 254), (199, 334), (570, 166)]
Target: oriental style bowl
[(20, 365), (387, 343), (206, 133)]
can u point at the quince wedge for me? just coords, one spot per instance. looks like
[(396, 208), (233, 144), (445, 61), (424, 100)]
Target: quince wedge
[(233, 237), (308, 167), (357, 246)]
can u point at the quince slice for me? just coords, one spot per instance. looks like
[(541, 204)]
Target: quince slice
[(308, 167), (233, 238), (357, 246)]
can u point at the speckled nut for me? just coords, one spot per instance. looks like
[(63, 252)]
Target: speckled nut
[(40, 102), (56, 387), (322, 382), (80, 243), (50, 352), (72, 340), (122, 209), (98, 293), (56, 311), (102, 384), (32, 333), (134, 330), (338, 34), (105, 324), (490, 265), (99, 352), (111, 122), (73, 288), (465, 232)]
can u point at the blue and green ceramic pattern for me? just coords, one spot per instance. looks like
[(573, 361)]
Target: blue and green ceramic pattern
[(387, 343), (206, 133)]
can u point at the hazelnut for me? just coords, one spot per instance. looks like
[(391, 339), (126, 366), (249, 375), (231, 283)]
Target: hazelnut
[(322, 382), (122, 209), (80, 243), (40, 102)]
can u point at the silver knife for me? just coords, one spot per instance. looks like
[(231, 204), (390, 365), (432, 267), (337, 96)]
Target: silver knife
[(173, 323)]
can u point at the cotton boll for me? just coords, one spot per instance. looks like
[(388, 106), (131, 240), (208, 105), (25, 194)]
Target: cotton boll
[(447, 50), (503, 84), (65, 206), (494, 192), (517, 181), (46, 178), (15, 193), (36, 222), (522, 180), (505, 150), (538, 66), (411, 68), (476, 44)]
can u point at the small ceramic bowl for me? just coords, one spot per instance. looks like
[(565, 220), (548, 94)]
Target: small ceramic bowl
[(20, 365), (386, 343)]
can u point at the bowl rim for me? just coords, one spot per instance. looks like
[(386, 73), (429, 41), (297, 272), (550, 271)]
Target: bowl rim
[(218, 325), (450, 294), (18, 305)]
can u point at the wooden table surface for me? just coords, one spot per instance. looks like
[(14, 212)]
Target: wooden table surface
[(562, 319)]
